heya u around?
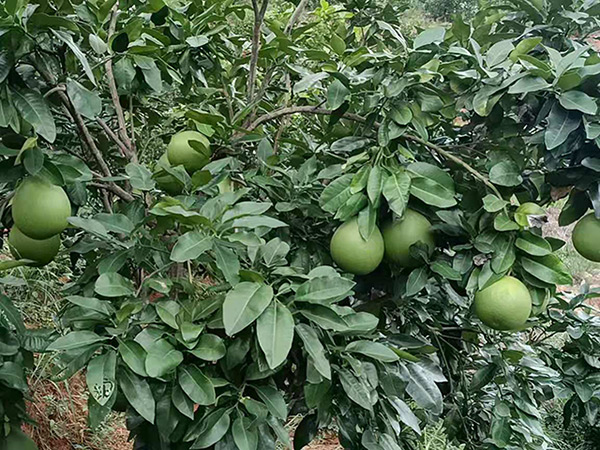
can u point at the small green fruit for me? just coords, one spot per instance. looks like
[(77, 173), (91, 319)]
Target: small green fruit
[(23, 247), (352, 253), (401, 234), (586, 237), (181, 152), (505, 305), (40, 209)]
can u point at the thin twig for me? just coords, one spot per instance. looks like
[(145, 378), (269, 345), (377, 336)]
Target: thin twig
[(112, 85), (58, 88), (259, 15), (295, 16), (119, 191), (112, 136)]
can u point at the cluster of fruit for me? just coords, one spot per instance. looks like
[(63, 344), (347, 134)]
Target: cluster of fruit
[(505, 305), (189, 149), (40, 210)]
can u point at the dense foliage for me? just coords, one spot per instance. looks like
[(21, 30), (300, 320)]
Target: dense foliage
[(212, 313)]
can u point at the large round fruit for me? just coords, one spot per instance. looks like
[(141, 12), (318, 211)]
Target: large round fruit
[(23, 247), (586, 238), (166, 181), (505, 305), (181, 152), (401, 234), (352, 253), (40, 209), (17, 440)]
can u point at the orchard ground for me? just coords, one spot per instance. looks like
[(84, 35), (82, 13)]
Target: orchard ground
[(59, 408)]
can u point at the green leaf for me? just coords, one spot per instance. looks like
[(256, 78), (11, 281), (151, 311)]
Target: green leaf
[(506, 173), (68, 39), (547, 268), (117, 223), (325, 317), (97, 44), (10, 317), (33, 109), (483, 377), (13, 376), (416, 281), (309, 81), (493, 204), (150, 71), (244, 304), (579, 101), (196, 385), (93, 304), (336, 194), (337, 94), (215, 429), (498, 53), (561, 123), (33, 160), (197, 41), (113, 285), (246, 209), (375, 184), (274, 252), (445, 270), (86, 102), (355, 389), (503, 223), (227, 261), (182, 402), (524, 47), (210, 347), (529, 84), (432, 185), (405, 413), (190, 246), (423, 389), (258, 221), (324, 290), (162, 358), (75, 339), (134, 356), (245, 434), (274, 401), (429, 36), (367, 222), (315, 349), (396, 191), (349, 144), (275, 332), (533, 244), (100, 376), (140, 177), (138, 393), (373, 350)]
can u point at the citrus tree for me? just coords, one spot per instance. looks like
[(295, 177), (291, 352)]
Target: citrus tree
[(197, 160)]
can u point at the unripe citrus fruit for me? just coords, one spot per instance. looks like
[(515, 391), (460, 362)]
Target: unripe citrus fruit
[(40, 209), (586, 237), (181, 151), (17, 440), (166, 181), (505, 305), (23, 247), (401, 234), (352, 253)]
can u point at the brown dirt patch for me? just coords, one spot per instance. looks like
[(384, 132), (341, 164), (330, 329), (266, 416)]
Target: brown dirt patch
[(60, 411)]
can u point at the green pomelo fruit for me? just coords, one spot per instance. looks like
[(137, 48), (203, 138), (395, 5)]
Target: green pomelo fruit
[(40, 209), (23, 247), (165, 180), (17, 440), (192, 156), (352, 253), (401, 234), (505, 305), (586, 238)]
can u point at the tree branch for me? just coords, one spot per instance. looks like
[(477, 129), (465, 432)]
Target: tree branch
[(355, 117), (118, 191), (259, 16), (58, 88), (295, 16), (112, 85), (113, 136)]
